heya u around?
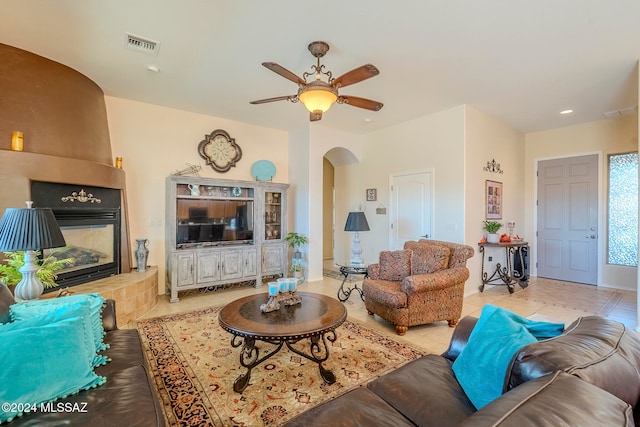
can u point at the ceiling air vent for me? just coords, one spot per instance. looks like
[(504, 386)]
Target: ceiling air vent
[(141, 44)]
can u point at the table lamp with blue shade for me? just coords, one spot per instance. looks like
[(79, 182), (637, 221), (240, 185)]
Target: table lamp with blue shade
[(356, 221), (29, 229)]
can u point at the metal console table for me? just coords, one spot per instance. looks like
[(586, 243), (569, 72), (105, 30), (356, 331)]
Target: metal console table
[(516, 270)]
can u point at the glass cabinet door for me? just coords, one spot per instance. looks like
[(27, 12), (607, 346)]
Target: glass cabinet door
[(273, 215)]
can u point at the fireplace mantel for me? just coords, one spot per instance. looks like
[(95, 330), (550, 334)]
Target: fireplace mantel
[(18, 169)]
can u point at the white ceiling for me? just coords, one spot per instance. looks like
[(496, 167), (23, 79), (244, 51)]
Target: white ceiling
[(522, 61)]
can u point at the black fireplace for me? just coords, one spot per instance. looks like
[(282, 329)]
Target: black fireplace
[(90, 220)]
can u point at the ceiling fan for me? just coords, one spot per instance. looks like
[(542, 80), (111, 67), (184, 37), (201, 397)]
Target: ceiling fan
[(318, 95)]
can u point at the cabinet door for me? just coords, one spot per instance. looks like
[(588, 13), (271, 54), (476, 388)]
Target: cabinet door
[(250, 260), (232, 265), (273, 259), (208, 266), (184, 269), (273, 220)]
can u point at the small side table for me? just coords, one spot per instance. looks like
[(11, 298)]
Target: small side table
[(507, 275), (346, 270)]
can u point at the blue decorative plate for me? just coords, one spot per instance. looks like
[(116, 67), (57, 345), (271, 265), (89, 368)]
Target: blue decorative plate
[(263, 170)]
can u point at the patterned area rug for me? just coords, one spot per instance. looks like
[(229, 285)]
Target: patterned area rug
[(334, 274), (194, 367)]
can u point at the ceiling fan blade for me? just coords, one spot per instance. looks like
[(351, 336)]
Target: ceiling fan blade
[(277, 98), (279, 69), (356, 75), (314, 116), (355, 101)]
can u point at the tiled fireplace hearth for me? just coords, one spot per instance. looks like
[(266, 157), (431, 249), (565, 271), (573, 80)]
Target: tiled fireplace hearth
[(134, 293)]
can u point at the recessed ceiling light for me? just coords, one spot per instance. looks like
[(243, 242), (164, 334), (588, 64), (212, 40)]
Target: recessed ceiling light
[(153, 68), (567, 111), (367, 120)]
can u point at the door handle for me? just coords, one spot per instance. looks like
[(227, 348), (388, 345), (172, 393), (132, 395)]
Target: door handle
[(593, 236), (426, 236)]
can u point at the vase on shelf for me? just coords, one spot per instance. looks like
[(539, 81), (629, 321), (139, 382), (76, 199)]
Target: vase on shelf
[(493, 238), (142, 253)]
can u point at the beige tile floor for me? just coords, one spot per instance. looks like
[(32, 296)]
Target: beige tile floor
[(544, 298)]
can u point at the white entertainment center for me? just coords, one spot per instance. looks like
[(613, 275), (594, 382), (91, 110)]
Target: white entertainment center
[(223, 231)]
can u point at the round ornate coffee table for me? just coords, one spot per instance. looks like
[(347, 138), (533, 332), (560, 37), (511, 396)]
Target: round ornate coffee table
[(315, 318)]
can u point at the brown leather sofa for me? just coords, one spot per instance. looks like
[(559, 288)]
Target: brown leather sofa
[(587, 376), (127, 398)]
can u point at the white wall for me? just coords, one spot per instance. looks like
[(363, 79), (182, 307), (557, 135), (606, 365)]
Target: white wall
[(432, 142), (156, 141), (607, 136), (486, 139), (298, 197)]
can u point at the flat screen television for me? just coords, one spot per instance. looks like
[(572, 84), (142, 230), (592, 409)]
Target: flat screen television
[(204, 222)]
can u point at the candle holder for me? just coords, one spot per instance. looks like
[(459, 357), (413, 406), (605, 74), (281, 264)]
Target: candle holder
[(17, 141), (283, 291)]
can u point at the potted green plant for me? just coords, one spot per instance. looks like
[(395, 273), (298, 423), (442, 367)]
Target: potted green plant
[(48, 267), (295, 240), (492, 227), (297, 268)]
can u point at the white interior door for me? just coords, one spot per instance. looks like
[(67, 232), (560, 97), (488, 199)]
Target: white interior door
[(568, 219), (411, 207)]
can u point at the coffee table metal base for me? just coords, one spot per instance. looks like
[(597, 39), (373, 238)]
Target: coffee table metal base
[(250, 355)]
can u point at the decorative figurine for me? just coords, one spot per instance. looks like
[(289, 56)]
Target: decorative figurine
[(282, 291)]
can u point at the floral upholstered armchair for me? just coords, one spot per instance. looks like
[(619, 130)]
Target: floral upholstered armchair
[(423, 283)]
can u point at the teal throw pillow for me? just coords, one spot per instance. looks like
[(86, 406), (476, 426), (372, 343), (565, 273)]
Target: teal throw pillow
[(24, 310), (79, 310), (42, 363), (482, 365)]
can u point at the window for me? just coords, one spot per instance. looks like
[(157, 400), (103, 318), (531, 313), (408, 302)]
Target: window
[(622, 247)]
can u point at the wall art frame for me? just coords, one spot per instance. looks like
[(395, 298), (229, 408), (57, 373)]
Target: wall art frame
[(493, 199), (372, 194)]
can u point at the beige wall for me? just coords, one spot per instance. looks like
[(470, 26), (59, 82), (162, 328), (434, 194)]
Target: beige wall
[(455, 144), (486, 139), (156, 141), (603, 137), (433, 142)]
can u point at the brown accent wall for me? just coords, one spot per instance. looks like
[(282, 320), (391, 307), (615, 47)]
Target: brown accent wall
[(66, 135), (61, 112)]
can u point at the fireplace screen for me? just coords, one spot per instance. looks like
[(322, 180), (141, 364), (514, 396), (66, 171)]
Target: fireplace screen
[(92, 243), (88, 246)]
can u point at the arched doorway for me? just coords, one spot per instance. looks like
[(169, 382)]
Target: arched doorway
[(336, 203)]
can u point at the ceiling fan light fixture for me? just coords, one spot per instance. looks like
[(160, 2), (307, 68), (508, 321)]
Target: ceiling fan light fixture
[(318, 96)]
